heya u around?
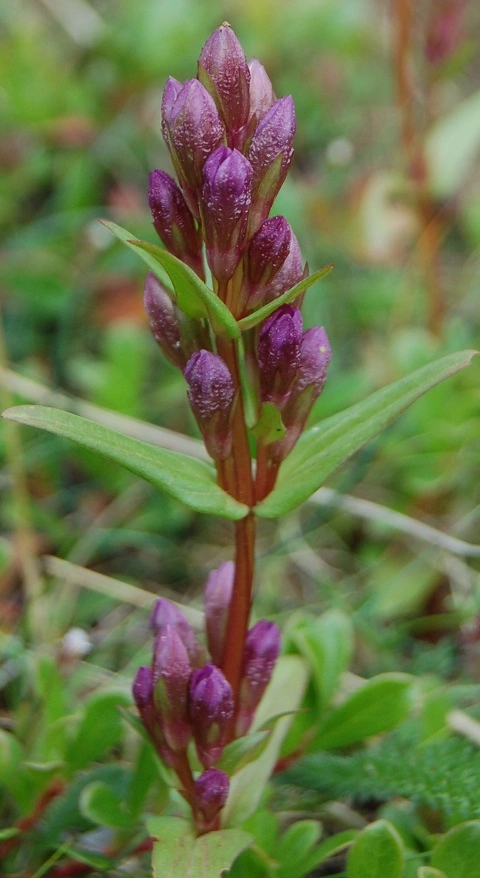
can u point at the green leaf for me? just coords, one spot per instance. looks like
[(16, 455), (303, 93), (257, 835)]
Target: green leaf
[(242, 751), (284, 693), (329, 848), (100, 804), (269, 428), (327, 644), (459, 851), (376, 853), (296, 291), (194, 298), (99, 730), (323, 447), (190, 481), (378, 706), (452, 147), (179, 853)]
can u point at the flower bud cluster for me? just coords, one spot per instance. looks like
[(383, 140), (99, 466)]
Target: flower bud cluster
[(231, 145), (182, 698)]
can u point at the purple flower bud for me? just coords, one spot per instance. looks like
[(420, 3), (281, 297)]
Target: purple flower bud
[(290, 274), (211, 710), (223, 70), (142, 690), (173, 221), (266, 253), (192, 130), (164, 321), (165, 613), (278, 354), (261, 92), (218, 594), (171, 676), (211, 792), (315, 355), (270, 154), (226, 197), (212, 395), (262, 646)]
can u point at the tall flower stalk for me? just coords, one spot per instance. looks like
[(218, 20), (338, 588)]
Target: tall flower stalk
[(231, 145)]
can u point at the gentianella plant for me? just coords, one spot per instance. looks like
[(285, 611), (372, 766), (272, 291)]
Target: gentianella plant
[(223, 297)]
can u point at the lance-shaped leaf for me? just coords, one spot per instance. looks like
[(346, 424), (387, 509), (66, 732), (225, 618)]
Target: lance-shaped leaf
[(289, 296), (193, 296), (190, 481), (322, 448)]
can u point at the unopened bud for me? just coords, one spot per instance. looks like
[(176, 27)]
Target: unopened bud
[(211, 710), (211, 793), (270, 154), (218, 594), (223, 70), (262, 646), (278, 354), (164, 321), (226, 197), (193, 130), (173, 220), (261, 92), (266, 253), (211, 394), (290, 274), (142, 690), (315, 355), (171, 676), (166, 613)]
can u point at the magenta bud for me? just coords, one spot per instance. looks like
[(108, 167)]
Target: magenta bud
[(226, 197), (211, 710), (444, 34), (142, 688), (173, 221), (315, 355), (211, 793), (270, 154), (291, 272), (261, 92), (171, 676), (218, 594), (193, 130), (262, 647), (164, 321), (211, 395), (278, 354), (266, 253), (166, 613), (223, 70)]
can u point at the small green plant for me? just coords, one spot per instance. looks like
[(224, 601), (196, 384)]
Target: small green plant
[(221, 711)]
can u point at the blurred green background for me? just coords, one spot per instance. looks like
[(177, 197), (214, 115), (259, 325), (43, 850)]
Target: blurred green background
[(385, 184)]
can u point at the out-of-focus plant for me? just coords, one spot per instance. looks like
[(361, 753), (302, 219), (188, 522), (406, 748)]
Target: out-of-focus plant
[(220, 712)]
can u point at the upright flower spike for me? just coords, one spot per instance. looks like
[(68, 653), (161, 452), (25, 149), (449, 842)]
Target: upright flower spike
[(171, 677), (262, 647), (212, 398), (166, 613), (223, 70), (218, 594), (192, 130), (226, 197), (278, 354), (173, 220), (211, 711), (270, 155)]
